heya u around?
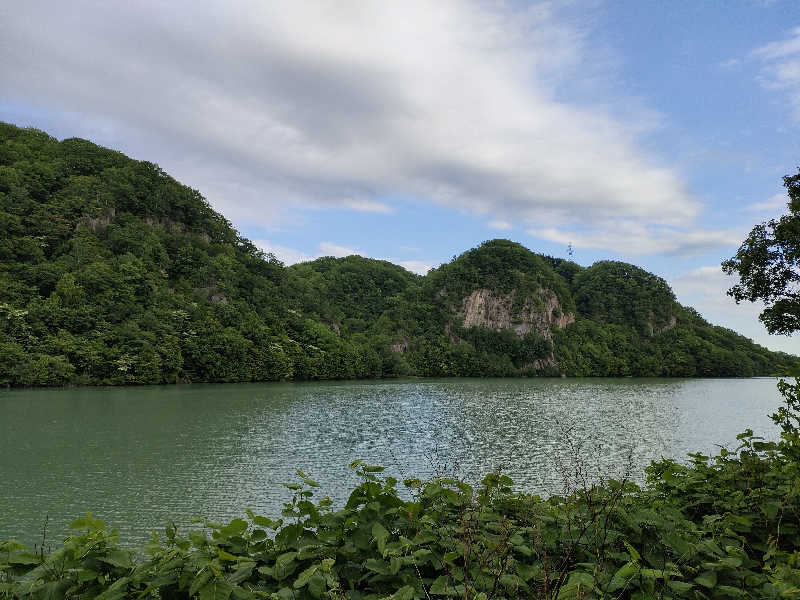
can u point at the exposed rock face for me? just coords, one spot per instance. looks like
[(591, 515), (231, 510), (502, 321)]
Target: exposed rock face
[(174, 226), (399, 346), (168, 224), (484, 308), (101, 222), (218, 298), (214, 295), (547, 362), (109, 214), (652, 329)]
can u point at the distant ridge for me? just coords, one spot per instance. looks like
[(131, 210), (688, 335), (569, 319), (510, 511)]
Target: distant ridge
[(112, 272)]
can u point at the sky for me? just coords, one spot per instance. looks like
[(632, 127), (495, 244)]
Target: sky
[(652, 132)]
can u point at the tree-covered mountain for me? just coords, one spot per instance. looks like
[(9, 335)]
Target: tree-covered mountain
[(113, 272)]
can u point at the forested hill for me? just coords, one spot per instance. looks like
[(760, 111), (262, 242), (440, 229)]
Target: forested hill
[(111, 272)]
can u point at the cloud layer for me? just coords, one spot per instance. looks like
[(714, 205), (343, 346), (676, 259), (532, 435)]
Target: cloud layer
[(270, 106), (634, 238), (781, 67), (704, 289)]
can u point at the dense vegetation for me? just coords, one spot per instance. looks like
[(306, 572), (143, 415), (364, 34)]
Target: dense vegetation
[(112, 272), (721, 527), (768, 265)]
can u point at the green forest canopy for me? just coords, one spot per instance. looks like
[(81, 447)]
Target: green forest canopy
[(112, 272)]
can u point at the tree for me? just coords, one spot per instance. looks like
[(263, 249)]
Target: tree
[(768, 266)]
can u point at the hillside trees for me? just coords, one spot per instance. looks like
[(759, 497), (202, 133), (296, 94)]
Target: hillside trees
[(112, 272), (617, 292)]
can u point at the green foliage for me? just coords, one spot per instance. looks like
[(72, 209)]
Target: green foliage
[(690, 348), (111, 272), (616, 292), (349, 293), (768, 265), (501, 266)]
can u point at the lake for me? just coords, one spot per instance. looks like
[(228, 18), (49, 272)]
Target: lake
[(139, 457)]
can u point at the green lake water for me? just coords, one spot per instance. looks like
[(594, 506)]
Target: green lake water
[(140, 457)]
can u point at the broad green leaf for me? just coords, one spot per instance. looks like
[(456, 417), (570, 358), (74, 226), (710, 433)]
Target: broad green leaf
[(316, 585), (732, 592), (378, 566), (623, 575), (267, 571), (259, 520), (404, 593), (303, 578), (223, 555), (285, 565), (116, 591), (242, 573), (527, 572), (441, 586), (707, 579), (680, 586), (85, 575), (380, 535), (632, 551), (235, 527), (118, 558), (199, 581), (218, 589)]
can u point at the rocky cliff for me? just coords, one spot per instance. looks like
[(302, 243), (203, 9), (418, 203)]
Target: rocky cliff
[(538, 314)]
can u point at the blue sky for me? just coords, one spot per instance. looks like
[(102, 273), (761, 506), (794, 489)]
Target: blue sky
[(651, 132)]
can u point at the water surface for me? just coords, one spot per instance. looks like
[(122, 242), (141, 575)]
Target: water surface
[(140, 457)]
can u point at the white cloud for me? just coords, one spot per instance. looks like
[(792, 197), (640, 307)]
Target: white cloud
[(632, 238), (703, 281), (781, 49), (290, 256), (420, 267), (704, 289), (500, 224), (331, 249), (369, 206), (781, 68), (774, 203), (271, 106)]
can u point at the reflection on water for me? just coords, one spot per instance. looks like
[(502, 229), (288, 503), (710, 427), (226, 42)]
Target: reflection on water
[(139, 457)]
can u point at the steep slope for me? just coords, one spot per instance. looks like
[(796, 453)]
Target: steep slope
[(624, 294), (348, 293), (500, 291), (506, 310), (113, 272)]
